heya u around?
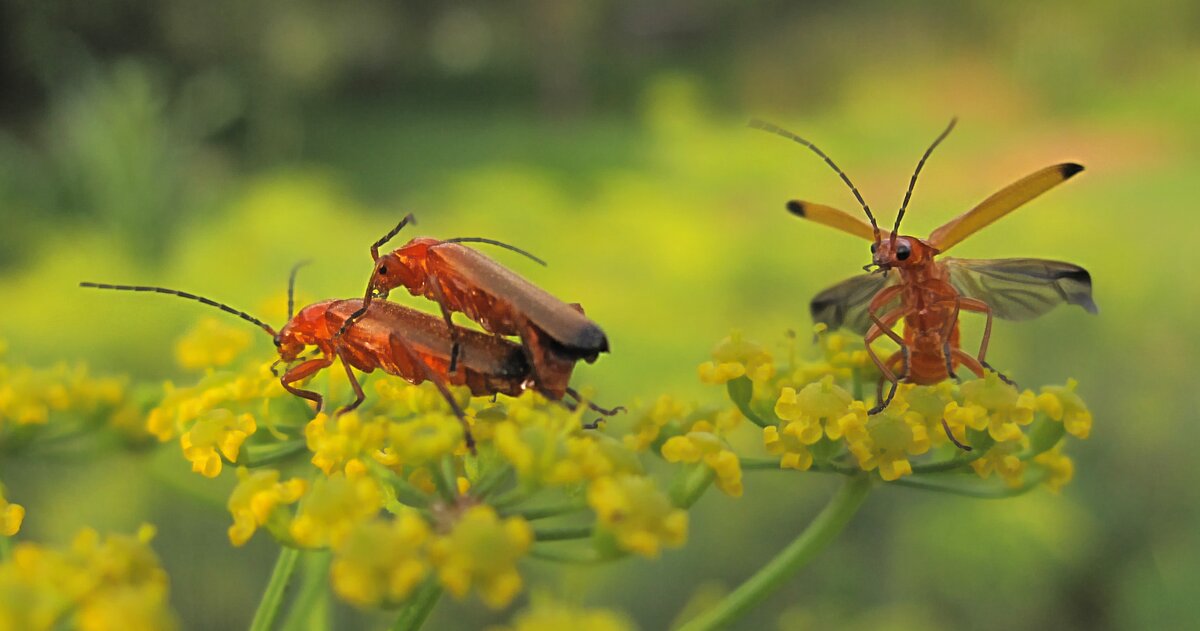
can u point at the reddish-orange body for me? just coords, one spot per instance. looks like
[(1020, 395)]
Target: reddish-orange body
[(414, 346), (553, 333), (402, 342)]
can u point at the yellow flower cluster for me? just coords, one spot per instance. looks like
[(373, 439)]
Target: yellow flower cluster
[(811, 417), (381, 561), (639, 515), (212, 344), (94, 584), (550, 615), (11, 515), (704, 443), (28, 396)]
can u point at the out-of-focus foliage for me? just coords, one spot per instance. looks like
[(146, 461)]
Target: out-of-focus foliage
[(210, 145)]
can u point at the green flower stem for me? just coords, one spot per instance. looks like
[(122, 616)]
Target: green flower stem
[(259, 455), (562, 533), (419, 606), (446, 480), (268, 607), (690, 485), (549, 510), (784, 566), (951, 464), (491, 482), (986, 492), (309, 610), (575, 556), (771, 464), (5, 548)]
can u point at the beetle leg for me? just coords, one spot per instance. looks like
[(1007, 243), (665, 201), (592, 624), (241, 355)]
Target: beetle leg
[(440, 297), (968, 361), (591, 406), (399, 344), (359, 396), (303, 371), (947, 332), (883, 326), (979, 306)]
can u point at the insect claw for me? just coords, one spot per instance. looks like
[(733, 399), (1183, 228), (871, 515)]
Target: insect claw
[(594, 424), (950, 435)]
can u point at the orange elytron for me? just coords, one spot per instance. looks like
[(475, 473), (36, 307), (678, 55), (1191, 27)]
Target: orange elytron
[(928, 294), (400, 341), (555, 335)]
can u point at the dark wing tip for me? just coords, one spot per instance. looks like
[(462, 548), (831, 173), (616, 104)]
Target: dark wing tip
[(796, 207), (1069, 169), (1084, 298)]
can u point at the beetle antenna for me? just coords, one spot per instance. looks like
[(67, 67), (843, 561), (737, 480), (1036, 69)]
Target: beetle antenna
[(506, 246), (913, 182), (183, 294), (409, 218), (292, 287), (779, 131)]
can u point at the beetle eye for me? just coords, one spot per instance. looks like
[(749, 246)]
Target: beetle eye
[(874, 246), (383, 270), (902, 251)]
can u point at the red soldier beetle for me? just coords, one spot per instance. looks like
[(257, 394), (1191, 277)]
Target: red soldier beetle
[(553, 333), (400, 341), (928, 294)]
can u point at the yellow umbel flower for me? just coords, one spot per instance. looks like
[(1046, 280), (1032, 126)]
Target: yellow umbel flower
[(93, 584), (336, 441), (380, 562), (991, 404), (1061, 403), (254, 501), (639, 515), (217, 431), (426, 438), (702, 444), (650, 422), (28, 395), (598, 455), (734, 357), (211, 344), (886, 440), (1005, 460), (1060, 468), (534, 440), (813, 411), (11, 515), (333, 507), (482, 551), (549, 615)]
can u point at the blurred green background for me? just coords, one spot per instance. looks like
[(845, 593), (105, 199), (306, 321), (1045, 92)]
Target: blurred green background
[(208, 146)]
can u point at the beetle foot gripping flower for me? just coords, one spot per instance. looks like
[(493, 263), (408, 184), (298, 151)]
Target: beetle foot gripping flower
[(816, 422)]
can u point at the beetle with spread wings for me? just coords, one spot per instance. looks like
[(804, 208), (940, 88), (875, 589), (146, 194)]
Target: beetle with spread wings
[(927, 295)]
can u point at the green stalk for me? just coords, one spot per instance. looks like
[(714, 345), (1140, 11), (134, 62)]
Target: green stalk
[(562, 533), (419, 606), (268, 606), (309, 610), (822, 530)]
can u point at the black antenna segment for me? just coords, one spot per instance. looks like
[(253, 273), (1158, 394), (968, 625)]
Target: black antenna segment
[(183, 294), (779, 131)]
